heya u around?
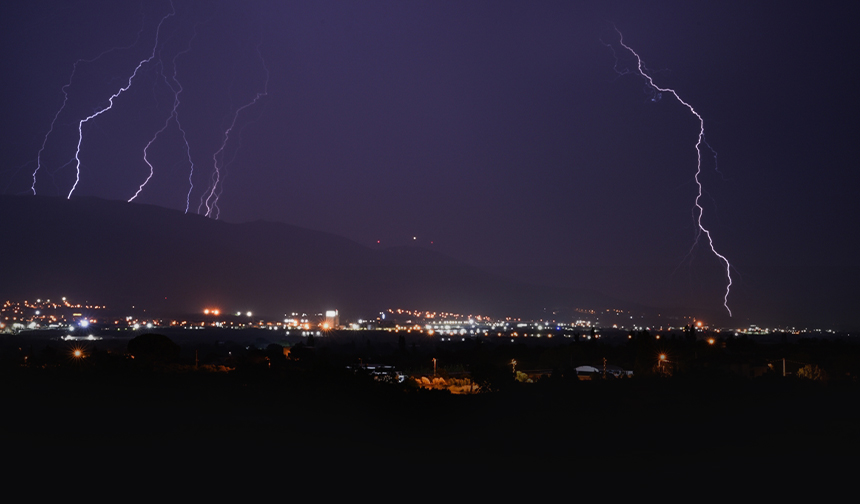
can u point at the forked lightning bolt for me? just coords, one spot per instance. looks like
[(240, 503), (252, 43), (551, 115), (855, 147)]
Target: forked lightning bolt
[(210, 197), (65, 90), (181, 129), (174, 116), (642, 71), (110, 103), (222, 158)]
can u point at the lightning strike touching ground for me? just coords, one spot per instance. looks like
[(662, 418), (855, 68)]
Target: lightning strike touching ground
[(174, 116), (210, 199), (224, 155), (151, 140), (111, 99), (698, 209), (65, 90), (179, 125)]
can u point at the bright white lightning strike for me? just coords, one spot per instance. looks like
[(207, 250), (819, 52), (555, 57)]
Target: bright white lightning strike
[(65, 90), (701, 139), (230, 141), (110, 105), (174, 116)]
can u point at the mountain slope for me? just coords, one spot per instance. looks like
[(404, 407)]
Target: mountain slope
[(124, 255)]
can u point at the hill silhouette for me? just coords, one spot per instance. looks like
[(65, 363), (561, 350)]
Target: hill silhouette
[(124, 254)]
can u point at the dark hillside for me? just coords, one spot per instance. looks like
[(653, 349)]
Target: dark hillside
[(125, 255)]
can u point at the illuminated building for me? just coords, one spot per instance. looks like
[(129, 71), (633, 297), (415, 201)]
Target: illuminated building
[(332, 319)]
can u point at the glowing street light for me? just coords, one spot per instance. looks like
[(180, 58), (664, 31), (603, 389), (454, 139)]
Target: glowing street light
[(662, 359)]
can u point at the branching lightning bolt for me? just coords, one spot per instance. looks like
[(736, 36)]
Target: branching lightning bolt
[(51, 129), (222, 158), (111, 99), (182, 130), (210, 198), (151, 141), (174, 116), (65, 90), (698, 209)]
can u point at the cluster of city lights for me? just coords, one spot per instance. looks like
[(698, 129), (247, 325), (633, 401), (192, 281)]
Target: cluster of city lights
[(82, 319), (42, 314)]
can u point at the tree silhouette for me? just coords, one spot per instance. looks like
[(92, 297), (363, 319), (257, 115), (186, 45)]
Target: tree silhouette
[(153, 348)]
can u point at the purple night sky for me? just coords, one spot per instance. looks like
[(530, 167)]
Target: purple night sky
[(495, 132)]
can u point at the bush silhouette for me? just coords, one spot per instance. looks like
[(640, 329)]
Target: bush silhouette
[(153, 348)]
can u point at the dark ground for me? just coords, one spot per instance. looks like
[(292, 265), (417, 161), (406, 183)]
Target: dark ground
[(307, 416), (267, 421)]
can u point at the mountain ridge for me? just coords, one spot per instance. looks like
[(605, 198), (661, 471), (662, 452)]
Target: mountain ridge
[(128, 254)]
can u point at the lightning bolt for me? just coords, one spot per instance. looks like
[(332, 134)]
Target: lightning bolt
[(216, 210), (210, 197), (112, 98), (152, 140), (174, 117), (65, 91), (181, 129), (698, 210)]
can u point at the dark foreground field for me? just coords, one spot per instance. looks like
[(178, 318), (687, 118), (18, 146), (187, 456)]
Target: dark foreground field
[(223, 422)]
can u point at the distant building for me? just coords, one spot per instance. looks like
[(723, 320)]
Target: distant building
[(587, 372), (332, 319), (593, 372)]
